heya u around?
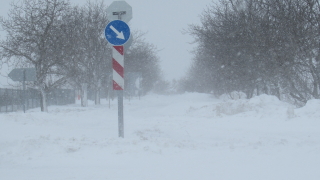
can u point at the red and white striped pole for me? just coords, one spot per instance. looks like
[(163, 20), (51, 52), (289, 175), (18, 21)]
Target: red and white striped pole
[(118, 67), (118, 82)]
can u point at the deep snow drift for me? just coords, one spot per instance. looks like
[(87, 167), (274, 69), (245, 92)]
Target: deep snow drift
[(189, 136)]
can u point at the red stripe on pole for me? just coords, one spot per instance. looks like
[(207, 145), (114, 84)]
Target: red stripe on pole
[(116, 86), (118, 68), (119, 49)]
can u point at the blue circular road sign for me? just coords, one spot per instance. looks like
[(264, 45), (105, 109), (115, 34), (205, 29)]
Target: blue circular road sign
[(117, 32)]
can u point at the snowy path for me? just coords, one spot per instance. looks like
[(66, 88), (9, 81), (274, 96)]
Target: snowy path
[(190, 136)]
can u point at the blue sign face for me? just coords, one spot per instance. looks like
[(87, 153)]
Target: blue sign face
[(117, 32)]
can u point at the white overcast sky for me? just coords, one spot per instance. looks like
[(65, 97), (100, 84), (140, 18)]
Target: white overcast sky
[(163, 20)]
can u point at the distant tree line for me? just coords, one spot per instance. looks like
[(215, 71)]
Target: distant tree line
[(66, 45), (258, 46)]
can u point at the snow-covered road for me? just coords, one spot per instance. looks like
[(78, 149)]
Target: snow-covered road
[(190, 136)]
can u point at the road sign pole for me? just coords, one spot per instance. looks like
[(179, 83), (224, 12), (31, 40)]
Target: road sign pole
[(120, 114), (24, 91), (118, 33), (118, 82)]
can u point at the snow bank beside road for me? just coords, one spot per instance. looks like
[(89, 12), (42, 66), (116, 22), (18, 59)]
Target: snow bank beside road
[(262, 106), (310, 110)]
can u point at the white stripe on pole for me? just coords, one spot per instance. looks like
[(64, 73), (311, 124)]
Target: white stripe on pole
[(118, 79), (118, 57)]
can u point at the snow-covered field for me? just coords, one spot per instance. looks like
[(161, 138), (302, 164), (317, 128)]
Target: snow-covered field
[(180, 137)]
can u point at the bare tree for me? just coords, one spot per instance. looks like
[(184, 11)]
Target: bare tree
[(67, 45), (87, 61), (142, 58), (258, 46), (31, 29)]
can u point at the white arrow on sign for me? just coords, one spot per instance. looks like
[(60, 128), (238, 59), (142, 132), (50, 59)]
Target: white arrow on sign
[(119, 34)]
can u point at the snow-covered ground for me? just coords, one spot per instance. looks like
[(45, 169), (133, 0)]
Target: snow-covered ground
[(180, 137)]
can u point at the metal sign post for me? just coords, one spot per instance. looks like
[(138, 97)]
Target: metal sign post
[(117, 33), (24, 91), (23, 75), (118, 82)]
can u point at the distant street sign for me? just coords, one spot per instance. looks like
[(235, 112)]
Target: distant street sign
[(117, 32), (18, 74), (119, 10), (23, 75)]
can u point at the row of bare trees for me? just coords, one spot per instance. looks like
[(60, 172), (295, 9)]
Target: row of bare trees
[(67, 47), (258, 46)]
